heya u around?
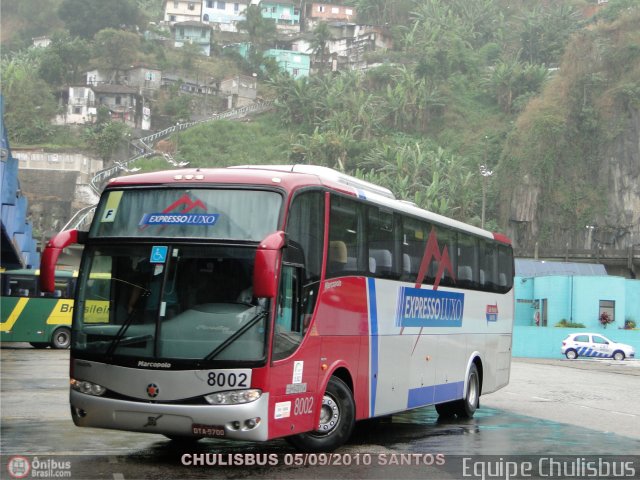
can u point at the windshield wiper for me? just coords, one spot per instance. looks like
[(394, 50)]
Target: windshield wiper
[(245, 328), (125, 326)]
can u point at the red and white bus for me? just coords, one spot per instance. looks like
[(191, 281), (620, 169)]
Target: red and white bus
[(253, 303)]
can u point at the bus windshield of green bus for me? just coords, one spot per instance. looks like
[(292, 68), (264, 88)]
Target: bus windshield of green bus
[(237, 214), (169, 301)]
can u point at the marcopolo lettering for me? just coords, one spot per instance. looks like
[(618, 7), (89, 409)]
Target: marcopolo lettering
[(203, 219), (429, 308)]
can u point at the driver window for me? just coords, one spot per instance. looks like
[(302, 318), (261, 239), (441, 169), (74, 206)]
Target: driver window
[(288, 329)]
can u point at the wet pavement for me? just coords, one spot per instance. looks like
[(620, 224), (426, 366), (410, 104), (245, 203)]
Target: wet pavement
[(36, 422)]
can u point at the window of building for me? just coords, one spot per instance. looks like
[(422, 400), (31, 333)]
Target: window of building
[(321, 8), (176, 4), (607, 307), (222, 5), (209, 3), (349, 11), (77, 110), (335, 10), (296, 72), (118, 100), (191, 6), (236, 7)]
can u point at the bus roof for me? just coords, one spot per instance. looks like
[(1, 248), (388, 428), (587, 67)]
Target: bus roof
[(292, 177)]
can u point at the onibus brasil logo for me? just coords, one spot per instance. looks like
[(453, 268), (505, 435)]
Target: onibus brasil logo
[(418, 307)]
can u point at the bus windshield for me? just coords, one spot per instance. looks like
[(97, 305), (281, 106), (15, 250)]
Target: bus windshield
[(239, 214), (170, 302)]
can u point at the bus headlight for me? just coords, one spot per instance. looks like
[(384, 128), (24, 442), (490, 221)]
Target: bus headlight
[(233, 397), (87, 388)]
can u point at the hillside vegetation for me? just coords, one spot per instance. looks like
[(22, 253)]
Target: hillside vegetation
[(536, 92)]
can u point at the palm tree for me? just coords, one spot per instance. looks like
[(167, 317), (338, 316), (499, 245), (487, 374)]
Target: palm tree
[(262, 31), (321, 36)]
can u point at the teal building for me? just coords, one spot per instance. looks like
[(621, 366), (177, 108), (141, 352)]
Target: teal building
[(549, 295), (296, 64), (284, 12)]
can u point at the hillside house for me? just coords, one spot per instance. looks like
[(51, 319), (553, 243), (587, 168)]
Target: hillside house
[(347, 49), (182, 11), (296, 64), (317, 12), (121, 100), (239, 90), (196, 33), (224, 15), (143, 77), (285, 13), (80, 106)]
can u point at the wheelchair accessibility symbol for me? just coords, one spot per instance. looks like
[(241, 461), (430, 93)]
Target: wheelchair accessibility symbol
[(158, 254)]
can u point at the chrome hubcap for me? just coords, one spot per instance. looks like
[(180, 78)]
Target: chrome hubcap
[(329, 415)]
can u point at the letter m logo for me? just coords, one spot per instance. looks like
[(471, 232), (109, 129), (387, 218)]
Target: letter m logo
[(432, 251)]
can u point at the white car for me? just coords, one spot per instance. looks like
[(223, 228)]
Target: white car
[(595, 345)]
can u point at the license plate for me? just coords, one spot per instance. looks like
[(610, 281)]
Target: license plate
[(207, 430)]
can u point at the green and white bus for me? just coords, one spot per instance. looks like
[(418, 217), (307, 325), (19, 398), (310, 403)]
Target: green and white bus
[(43, 319)]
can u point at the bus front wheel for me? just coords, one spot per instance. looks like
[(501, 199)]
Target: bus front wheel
[(61, 338), (467, 406), (337, 418)]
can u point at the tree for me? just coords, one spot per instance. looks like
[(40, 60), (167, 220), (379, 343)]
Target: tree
[(107, 138), (321, 36), (85, 18), (64, 59), (29, 104), (116, 49), (262, 32)]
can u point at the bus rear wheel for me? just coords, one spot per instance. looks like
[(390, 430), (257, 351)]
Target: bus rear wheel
[(466, 407), (337, 418), (61, 338)]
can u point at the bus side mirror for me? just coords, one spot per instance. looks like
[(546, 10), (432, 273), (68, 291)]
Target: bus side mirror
[(51, 253), (265, 269)]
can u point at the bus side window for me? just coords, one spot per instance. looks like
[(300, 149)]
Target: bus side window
[(21, 286), (488, 266), (345, 229), (288, 328)]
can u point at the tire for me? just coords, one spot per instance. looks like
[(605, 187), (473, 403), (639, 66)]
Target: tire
[(337, 419), (39, 345), (618, 355), (446, 410), (61, 338), (466, 407), (571, 354)]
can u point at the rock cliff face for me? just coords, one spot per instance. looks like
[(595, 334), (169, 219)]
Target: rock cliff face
[(617, 227), (621, 166)]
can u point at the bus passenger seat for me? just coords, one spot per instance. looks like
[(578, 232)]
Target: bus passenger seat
[(337, 256), (406, 264), (383, 261), (372, 265), (465, 273)]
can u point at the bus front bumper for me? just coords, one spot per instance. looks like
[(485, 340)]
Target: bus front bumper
[(248, 421)]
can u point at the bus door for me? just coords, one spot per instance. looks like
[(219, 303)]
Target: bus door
[(295, 357)]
